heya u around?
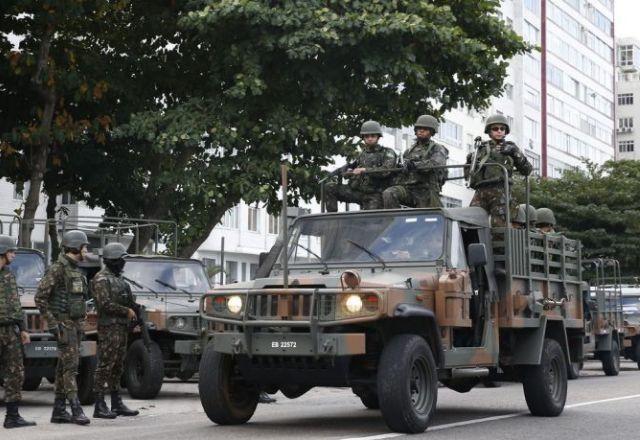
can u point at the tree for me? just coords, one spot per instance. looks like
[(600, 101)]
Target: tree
[(598, 206), (287, 80)]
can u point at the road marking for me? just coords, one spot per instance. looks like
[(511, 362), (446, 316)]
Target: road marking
[(491, 419)]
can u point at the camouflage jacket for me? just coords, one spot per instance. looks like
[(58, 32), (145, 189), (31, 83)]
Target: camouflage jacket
[(378, 157), (491, 152), (10, 308), (62, 292), (113, 297), (423, 156)]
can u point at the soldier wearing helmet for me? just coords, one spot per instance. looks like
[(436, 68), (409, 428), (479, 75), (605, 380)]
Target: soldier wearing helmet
[(487, 180), (520, 219), (419, 185), (61, 297), (12, 335), (365, 189), (115, 304), (546, 221)]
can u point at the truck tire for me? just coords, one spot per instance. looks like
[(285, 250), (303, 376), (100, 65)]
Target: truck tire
[(31, 383), (86, 374), (368, 397), (545, 385), (144, 370), (225, 397), (573, 370), (636, 350), (611, 359), (407, 384)]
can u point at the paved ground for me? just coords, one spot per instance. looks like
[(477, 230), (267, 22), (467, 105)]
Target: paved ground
[(598, 407)]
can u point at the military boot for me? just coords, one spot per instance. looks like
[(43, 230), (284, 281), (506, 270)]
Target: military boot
[(101, 410), (60, 413), (77, 415), (13, 419), (118, 407)]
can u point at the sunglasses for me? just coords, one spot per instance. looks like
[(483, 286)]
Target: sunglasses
[(498, 128)]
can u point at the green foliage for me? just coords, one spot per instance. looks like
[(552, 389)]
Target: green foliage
[(600, 207)]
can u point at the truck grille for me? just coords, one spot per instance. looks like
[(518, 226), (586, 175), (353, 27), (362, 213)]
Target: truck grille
[(287, 306), (34, 322)]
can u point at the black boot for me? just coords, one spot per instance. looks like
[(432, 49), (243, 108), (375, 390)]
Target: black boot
[(265, 398), (77, 415), (13, 419), (60, 413), (118, 407), (101, 410)]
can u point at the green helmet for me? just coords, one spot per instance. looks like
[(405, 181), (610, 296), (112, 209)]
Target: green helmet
[(7, 244), (427, 121), (496, 119), (371, 127), (521, 217), (114, 251), (74, 239), (546, 217)]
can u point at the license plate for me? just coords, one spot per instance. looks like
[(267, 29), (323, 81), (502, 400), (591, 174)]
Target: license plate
[(283, 344)]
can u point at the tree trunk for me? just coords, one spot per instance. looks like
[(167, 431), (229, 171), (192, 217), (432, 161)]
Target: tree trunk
[(52, 227)]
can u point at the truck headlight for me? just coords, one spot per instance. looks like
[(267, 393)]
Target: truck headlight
[(234, 304), (180, 323), (353, 303)]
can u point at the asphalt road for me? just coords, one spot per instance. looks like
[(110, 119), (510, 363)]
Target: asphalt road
[(598, 407)]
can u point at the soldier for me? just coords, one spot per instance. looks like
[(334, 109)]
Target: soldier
[(61, 297), (488, 180), (12, 336), (546, 221), (520, 220), (364, 189), (114, 302), (419, 186)]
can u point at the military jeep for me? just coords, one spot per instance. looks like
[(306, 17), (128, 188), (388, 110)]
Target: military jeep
[(390, 302)]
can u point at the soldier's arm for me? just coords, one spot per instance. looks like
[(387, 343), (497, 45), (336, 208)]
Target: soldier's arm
[(45, 291), (15, 306), (437, 157), (104, 301), (520, 161), (389, 161)]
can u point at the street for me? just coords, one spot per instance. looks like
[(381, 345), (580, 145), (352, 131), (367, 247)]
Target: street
[(597, 407)]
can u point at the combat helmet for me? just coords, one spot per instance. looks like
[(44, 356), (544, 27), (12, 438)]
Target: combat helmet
[(371, 127), (427, 121), (496, 119), (74, 239), (7, 244), (545, 217), (114, 251), (521, 217)]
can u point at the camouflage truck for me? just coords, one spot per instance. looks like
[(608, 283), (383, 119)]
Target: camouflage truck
[(40, 355), (169, 288), (390, 302), (630, 289)]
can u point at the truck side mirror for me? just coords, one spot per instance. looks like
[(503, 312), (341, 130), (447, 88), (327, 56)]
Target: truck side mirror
[(477, 254)]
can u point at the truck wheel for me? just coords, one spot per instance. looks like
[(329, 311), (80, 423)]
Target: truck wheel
[(225, 397), (545, 385), (407, 384), (86, 374), (368, 397), (611, 359), (31, 383), (144, 370), (636, 349), (573, 370)]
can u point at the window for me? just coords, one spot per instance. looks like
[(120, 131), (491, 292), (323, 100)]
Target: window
[(625, 146), (508, 90), (554, 75), (243, 272), (532, 97), (231, 270), (531, 33), (534, 160), (625, 99), (18, 191), (532, 65), (230, 218), (450, 202), (451, 132), (625, 124), (533, 6), (253, 218), (68, 198), (531, 129), (274, 225)]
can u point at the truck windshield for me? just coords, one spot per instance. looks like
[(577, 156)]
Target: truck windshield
[(631, 308), (393, 238), (182, 275), (28, 268)]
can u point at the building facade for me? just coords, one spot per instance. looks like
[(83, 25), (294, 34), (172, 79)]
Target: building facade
[(628, 99)]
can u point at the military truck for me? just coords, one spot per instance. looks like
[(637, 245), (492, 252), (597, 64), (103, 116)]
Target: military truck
[(169, 288), (41, 355), (390, 302), (630, 289)]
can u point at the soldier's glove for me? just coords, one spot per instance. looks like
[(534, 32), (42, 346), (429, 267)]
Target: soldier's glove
[(509, 149), (409, 166)]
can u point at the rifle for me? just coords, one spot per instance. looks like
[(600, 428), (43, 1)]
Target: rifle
[(139, 321), (474, 158), (341, 170)]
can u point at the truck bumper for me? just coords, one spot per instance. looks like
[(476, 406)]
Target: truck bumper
[(290, 344), (188, 347), (49, 349)]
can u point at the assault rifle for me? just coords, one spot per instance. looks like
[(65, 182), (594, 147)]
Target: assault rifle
[(139, 311)]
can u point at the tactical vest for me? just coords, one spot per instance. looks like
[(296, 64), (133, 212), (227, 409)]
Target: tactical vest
[(485, 176), (10, 308), (119, 293), (372, 159), (422, 152), (70, 293)]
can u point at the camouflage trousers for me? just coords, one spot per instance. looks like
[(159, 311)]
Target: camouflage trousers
[(68, 359), (112, 349), (412, 196), (335, 192), (11, 363), (494, 201)]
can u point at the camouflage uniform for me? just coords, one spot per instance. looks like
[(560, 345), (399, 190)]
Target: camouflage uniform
[(419, 187), (364, 189), (488, 180), (113, 299), (11, 323), (61, 299)]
